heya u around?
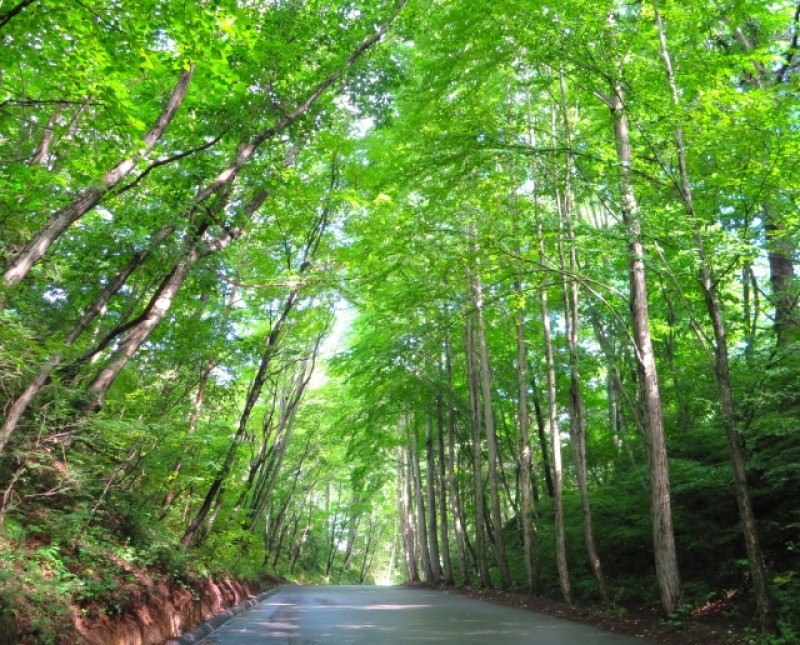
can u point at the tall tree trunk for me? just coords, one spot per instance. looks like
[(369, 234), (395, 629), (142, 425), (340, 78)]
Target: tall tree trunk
[(785, 293), (362, 574), (251, 487), (455, 497), (754, 555), (660, 500), (555, 436), (430, 484), (422, 531), (491, 437), (61, 220), (405, 512), (577, 410), (477, 469), (447, 565), (352, 534), (526, 456), (154, 313), (552, 406), (408, 507)]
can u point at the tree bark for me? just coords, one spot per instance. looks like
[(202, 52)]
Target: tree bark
[(430, 483), (422, 532), (785, 293), (408, 506), (555, 436), (781, 250), (405, 512), (660, 500), (455, 497), (491, 437), (552, 408), (526, 456), (447, 566), (282, 440), (715, 311), (577, 410), (477, 470)]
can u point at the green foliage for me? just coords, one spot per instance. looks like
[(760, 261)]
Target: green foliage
[(271, 402)]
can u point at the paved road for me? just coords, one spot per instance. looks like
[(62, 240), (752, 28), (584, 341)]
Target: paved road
[(360, 615)]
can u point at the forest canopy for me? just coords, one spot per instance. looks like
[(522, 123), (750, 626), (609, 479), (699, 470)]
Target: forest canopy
[(501, 294)]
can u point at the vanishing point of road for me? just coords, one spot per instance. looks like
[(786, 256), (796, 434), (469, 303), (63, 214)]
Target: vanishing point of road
[(359, 615)]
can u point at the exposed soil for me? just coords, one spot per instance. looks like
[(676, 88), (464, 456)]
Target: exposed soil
[(706, 626), (159, 609)]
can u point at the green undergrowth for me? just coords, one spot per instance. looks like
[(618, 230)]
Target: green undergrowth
[(63, 565)]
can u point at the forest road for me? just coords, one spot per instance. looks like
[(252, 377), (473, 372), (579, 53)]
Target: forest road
[(362, 614)]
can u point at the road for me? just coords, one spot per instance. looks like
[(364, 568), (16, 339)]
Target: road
[(360, 615)]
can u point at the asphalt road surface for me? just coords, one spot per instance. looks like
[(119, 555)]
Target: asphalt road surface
[(359, 615)]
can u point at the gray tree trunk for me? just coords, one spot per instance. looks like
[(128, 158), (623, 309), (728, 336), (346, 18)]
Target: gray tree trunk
[(754, 555), (660, 499)]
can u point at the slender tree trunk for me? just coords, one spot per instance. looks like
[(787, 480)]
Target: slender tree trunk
[(265, 448), (252, 398), (552, 408), (393, 551), (780, 253), (352, 534), (660, 499), (367, 544), (406, 514), (781, 249), (273, 469), (555, 436), (508, 442), (212, 517), (477, 469), (430, 483), (577, 410), (408, 508), (447, 565), (721, 369), (526, 456), (413, 456), (61, 220), (281, 523), (491, 438), (455, 497)]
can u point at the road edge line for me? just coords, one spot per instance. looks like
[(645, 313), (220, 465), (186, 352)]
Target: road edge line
[(203, 630)]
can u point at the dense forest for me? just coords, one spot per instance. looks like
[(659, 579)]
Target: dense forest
[(488, 293)]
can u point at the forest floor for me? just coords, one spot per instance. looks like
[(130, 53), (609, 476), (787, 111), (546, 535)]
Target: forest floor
[(709, 627)]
